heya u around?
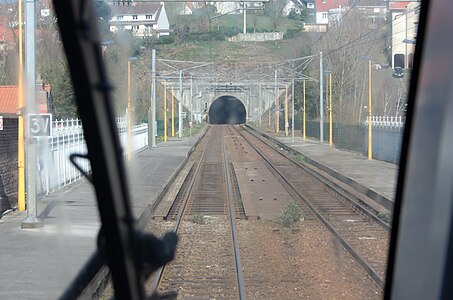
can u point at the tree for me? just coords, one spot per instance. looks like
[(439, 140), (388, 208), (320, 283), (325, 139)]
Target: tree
[(104, 13), (274, 9)]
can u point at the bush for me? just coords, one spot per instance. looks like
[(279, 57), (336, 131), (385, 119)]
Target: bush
[(198, 219), (290, 215)]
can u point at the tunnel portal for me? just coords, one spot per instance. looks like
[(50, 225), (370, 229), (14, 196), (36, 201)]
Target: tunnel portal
[(227, 110)]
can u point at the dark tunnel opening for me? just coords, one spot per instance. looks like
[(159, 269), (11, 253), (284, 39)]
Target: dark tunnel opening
[(227, 110)]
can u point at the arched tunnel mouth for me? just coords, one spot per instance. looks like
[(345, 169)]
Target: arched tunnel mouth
[(227, 110)]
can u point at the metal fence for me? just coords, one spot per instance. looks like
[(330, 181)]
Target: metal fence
[(54, 168), (387, 133)]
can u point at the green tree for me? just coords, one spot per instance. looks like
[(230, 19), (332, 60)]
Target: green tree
[(104, 13)]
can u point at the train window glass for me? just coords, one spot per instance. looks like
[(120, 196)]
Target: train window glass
[(304, 153)]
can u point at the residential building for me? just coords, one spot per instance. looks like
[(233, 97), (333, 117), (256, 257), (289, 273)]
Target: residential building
[(375, 10), (330, 11), (405, 15), (141, 18)]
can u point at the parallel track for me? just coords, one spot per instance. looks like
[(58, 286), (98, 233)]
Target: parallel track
[(364, 237)]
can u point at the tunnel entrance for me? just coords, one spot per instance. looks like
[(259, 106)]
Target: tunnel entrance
[(227, 110)]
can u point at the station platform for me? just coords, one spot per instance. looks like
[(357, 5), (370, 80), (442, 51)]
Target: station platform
[(40, 263), (374, 178)]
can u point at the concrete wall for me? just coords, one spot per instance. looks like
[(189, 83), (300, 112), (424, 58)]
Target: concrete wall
[(8, 164)]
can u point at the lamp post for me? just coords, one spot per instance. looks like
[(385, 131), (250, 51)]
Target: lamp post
[(165, 110), (329, 89), (129, 117)]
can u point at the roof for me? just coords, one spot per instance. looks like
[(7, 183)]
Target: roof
[(136, 8), (9, 99), (326, 5), (372, 3), (398, 5)]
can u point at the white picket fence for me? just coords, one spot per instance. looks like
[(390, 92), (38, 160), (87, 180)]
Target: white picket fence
[(386, 121), (54, 167)]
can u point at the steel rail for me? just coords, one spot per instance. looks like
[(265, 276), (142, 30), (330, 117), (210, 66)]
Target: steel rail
[(229, 192), (160, 272), (327, 182), (371, 272), (240, 281)]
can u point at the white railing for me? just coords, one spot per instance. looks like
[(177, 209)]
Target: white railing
[(55, 169), (386, 121)]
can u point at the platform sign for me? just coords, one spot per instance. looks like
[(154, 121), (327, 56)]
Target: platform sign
[(190, 124), (183, 114), (40, 125), (287, 124), (1, 122)]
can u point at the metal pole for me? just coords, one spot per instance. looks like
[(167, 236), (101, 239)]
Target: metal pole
[(180, 105), (32, 220), (20, 134), (370, 138), (172, 111), (153, 100), (190, 106), (269, 109), (129, 152), (277, 109), (259, 104), (165, 110), (321, 101), (286, 111), (305, 130), (330, 109), (245, 18), (292, 112)]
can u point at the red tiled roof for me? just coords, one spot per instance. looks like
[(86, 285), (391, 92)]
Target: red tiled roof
[(326, 5), (398, 5), (8, 99)]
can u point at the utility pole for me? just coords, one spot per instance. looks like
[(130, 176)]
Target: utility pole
[(305, 131), (277, 109), (292, 111), (153, 103), (286, 110), (259, 104), (165, 110), (370, 137), (190, 106), (180, 105), (245, 17), (32, 220), (330, 110), (321, 101)]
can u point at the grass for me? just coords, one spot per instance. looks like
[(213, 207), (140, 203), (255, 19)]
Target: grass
[(198, 219), (289, 215)]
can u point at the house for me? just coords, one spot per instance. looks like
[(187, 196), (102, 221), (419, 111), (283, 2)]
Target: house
[(375, 10), (405, 15), (141, 18), (9, 99), (330, 11), (299, 6)]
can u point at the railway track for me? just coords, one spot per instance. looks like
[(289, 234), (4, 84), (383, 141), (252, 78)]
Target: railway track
[(207, 263), (363, 235)]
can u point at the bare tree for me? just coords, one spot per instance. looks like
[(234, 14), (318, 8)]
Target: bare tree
[(274, 9)]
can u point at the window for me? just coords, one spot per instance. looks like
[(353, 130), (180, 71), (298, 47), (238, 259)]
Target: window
[(134, 17), (310, 5), (325, 15), (119, 18), (149, 17), (377, 10)]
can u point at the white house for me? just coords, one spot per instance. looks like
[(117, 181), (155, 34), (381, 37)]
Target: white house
[(405, 17), (142, 18)]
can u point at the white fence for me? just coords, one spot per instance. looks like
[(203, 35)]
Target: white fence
[(386, 121), (54, 167)]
